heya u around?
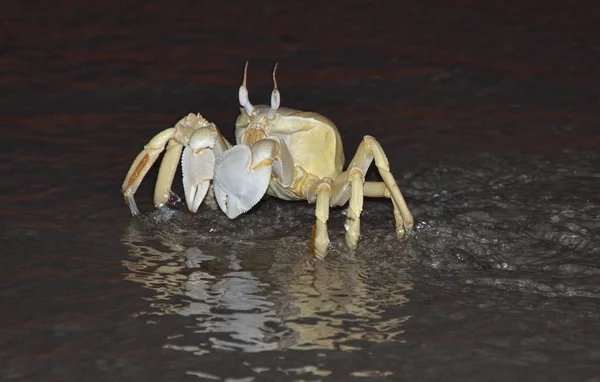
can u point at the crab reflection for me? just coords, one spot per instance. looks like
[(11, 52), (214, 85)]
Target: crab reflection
[(292, 304)]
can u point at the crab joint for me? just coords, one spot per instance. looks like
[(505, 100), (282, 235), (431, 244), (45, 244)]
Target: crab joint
[(263, 163)]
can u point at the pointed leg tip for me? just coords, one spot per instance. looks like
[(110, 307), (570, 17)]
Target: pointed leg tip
[(130, 201), (351, 242), (318, 251), (319, 254), (401, 233)]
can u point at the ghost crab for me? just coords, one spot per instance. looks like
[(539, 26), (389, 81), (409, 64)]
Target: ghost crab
[(286, 153)]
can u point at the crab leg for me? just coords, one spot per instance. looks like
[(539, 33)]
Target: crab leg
[(379, 190), (200, 138), (143, 163), (350, 185), (166, 173), (320, 236), (356, 179)]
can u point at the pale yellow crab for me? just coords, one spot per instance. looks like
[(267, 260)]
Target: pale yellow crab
[(286, 153)]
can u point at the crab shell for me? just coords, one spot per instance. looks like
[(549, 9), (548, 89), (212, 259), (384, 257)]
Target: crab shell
[(313, 141)]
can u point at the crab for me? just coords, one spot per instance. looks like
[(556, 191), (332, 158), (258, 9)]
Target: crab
[(282, 152)]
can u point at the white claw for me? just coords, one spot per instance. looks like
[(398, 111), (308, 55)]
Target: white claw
[(238, 187), (198, 172)]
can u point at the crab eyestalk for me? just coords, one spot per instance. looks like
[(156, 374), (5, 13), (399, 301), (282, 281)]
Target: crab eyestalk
[(243, 93), (275, 97)]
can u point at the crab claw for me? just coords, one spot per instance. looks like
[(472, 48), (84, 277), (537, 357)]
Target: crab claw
[(198, 171), (242, 178)]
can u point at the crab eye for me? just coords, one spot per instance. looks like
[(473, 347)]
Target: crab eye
[(243, 93)]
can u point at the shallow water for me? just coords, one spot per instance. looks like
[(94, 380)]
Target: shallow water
[(503, 257), (492, 137)]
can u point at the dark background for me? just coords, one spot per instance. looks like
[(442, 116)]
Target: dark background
[(86, 84)]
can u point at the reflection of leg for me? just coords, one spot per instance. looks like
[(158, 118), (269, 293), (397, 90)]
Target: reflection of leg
[(320, 239)]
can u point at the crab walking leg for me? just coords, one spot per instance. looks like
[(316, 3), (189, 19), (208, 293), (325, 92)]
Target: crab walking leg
[(320, 236), (194, 133), (166, 173), (370, 150), (404, 218), (356, 179), (376, 190), (379, 190), (143, 162)]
